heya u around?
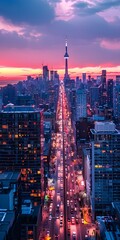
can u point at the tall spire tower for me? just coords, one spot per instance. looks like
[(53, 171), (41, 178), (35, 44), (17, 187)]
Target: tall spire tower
[(66, 57)]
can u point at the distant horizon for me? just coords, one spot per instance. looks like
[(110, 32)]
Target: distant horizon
[(4, 81)]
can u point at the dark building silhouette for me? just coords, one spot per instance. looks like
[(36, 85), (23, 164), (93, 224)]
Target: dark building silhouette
[(9, 94), (20, 147), (10, 203), (110, 93), (94, 96), (45, 73), (83, 127), (24, 100), (103, 89)]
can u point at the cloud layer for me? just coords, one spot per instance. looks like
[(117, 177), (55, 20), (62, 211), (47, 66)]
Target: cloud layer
[(33, 32), (33, 12)]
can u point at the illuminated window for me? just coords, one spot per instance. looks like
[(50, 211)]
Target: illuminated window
[(25, 148), (5, 126), (30, 232), (103, 151), (97, 145), (35, 204)]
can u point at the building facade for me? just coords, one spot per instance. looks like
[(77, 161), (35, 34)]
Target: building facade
[(20, 147), (81, 104), (105, 167)]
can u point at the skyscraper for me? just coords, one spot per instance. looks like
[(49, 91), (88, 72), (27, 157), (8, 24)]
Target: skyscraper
[(103, 78), (105, 167), (81, 104), (116, 100), (103, 92), (94, 96), (20, 147), (110, 93), (45, 73), (66, 57), (84, 77)]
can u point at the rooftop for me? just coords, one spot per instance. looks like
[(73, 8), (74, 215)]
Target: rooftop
[(9, 175), (104, 128), (6, 221), (116, 205), (11, 108)]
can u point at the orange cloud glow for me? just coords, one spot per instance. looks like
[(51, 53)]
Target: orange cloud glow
[(16, 74)]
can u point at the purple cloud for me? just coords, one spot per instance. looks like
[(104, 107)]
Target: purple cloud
[(29, 12)]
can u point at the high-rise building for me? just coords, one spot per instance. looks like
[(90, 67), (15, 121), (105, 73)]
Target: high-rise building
[(20, 147), (9, 94), (103, 79), (66, 57), (94, 96), (73, 103), (45, 73), (116, 101), (105, 167), (117, 79), (110, 93), (81, 104), (78, 82), (84, 77), (52, 75), (103, 88)]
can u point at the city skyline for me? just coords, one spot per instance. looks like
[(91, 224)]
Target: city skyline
[(33, 34)]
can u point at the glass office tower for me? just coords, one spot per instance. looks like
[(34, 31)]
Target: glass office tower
[(105, 167), (20, 147)]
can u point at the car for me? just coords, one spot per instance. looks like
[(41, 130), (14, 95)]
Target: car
[(77, 220), (50, 217), (68, 202), (82, 220), (57, 215), (48, 233), (56, 236), (74, 235), (72, 220), (69, 220), (75, 204), (75, 209), (61, 223), (61, 214), (50, 210)]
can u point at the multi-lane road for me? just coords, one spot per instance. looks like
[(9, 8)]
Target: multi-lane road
[(62, 215)]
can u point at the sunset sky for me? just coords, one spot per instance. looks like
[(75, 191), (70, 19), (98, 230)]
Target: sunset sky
[(33, 33)]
